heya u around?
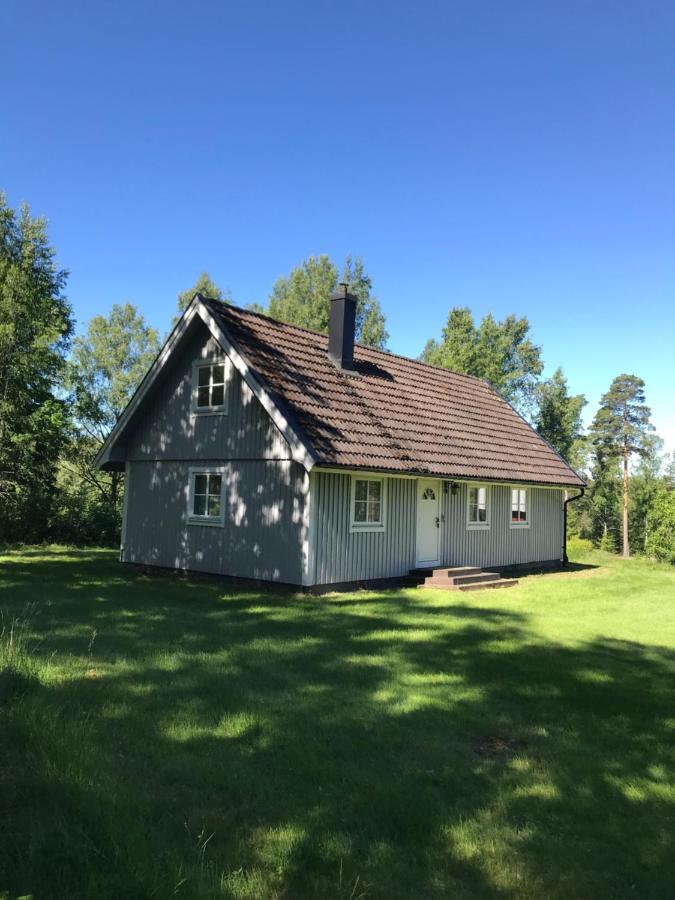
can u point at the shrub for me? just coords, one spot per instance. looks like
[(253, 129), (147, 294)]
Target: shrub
[(577, 546), (660, 541)]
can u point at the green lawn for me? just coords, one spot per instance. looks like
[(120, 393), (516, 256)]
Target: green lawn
[(161, 737)]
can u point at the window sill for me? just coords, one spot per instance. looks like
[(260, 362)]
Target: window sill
[(518, 526), (204, 520), (209, 411), (363, 527), (478, 526)]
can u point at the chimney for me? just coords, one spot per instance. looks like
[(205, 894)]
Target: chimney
[(341, 326)]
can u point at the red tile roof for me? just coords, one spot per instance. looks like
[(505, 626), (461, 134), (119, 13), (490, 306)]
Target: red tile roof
[(397, 414)]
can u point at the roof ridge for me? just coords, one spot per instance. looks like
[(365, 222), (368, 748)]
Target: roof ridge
[(389, 354)]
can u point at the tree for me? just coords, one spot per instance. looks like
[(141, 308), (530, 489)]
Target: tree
[(620, 430), (204, 286), (500, 353), (35, 329), (303, 298), (107, 364), (660, 541), (558, 416)]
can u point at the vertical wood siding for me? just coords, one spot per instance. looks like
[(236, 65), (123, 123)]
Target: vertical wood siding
[(168, 429), (341, 555), (501, 545), (263, 531)]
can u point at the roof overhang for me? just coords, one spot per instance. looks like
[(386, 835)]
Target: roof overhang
[(111, 456)]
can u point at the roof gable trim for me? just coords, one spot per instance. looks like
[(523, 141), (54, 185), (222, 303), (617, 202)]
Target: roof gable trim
[(301, 452)]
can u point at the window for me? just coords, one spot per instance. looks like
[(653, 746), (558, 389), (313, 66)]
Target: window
[(205, 497), (209, 383), (368, 504), (519, 507), (478, 516)]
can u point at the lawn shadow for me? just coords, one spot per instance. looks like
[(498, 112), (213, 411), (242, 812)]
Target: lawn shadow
[(380, 747)]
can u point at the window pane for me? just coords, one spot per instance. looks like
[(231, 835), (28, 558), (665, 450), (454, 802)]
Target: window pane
[(473, 512), (199, 505), (481, 496), (473, 496), (523, 499), (360, 511), (217, 395), (200, 484), (523, 515), (203, 379), (203, 396), (373, 512), (374, 489), (215, 482), (482, 514), (218, 374), (361, 490), (214, 505)]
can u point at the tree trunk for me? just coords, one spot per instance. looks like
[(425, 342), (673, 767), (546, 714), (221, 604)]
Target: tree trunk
[(626, 548)]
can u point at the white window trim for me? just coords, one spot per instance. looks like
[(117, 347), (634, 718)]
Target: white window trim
[(368, 527), (209, 521), (478, 526), (198, 364), (519, 526)]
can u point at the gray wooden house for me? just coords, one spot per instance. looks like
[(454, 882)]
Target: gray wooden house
[(258, 449)]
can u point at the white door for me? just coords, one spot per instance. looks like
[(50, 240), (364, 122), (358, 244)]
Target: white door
[(428, 522)]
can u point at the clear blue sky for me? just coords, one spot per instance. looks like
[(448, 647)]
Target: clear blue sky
[(507, 156)]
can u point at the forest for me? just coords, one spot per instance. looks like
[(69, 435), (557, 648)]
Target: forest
[(60, 394)]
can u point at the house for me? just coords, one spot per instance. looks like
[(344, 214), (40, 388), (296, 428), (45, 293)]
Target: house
[(258, 449)]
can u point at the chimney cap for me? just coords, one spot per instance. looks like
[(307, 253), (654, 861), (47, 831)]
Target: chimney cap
[(343, 293)]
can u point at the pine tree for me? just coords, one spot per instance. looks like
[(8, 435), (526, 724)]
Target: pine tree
[(621, 429)]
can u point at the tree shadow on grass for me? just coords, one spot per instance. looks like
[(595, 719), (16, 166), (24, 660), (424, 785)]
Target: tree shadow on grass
[(275, 746)]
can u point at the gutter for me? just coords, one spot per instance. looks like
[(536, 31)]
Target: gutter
[(565, 502)]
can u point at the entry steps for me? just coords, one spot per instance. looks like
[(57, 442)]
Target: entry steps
[(463, 578)]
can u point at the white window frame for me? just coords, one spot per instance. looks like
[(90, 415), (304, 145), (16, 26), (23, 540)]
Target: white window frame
[(478, 526), (212, 521), (198, 364), (519, 524), (368, 526)]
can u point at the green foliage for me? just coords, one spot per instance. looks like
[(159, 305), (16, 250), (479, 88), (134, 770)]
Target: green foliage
[(578, 547), (660, 527), (558, 416), (35, 329), (500, 353), (107, 364), (303, 298), (621, 423), (204, 286)]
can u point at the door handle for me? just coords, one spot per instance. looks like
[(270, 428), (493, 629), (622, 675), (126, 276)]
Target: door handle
[(438, 523)]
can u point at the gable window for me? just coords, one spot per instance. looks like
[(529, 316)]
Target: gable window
[(478, 514), (368, 504), (519, 514), (205, 497), (209, 385)]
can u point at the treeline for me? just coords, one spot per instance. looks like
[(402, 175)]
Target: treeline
[(60, 396)]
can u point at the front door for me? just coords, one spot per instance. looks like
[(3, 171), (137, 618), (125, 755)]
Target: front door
[(428, 522)]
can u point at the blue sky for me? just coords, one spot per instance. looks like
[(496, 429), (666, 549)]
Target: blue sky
[(507, 156)]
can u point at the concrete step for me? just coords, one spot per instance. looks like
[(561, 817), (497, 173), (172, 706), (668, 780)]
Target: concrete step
[(443, 572), (484, 585), (474, 578)]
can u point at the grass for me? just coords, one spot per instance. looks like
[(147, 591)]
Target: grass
[(162, 737)]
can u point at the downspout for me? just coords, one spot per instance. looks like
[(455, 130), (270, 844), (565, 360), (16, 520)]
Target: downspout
[(565, 502)]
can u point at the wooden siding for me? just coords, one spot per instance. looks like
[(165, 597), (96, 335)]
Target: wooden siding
[(169, 429), (264, 528), (501, 545), (340, 555)]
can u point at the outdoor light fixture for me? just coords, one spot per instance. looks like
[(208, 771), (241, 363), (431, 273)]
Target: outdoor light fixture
[(454, 487)]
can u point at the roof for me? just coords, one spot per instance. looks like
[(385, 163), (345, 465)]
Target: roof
[(396, 414)]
